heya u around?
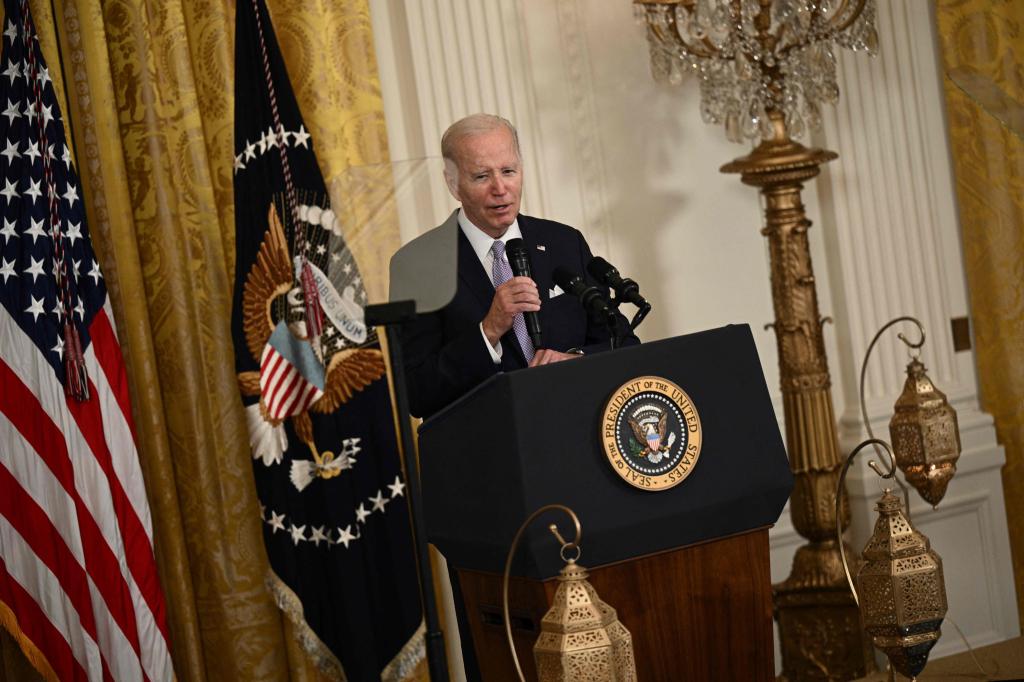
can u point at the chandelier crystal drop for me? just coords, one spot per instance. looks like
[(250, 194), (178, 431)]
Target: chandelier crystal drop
[(752, 57)]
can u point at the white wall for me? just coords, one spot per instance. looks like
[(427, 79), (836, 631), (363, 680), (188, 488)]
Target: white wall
[(631, 164)]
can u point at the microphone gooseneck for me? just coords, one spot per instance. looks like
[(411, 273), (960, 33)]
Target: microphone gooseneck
[(519, 262)]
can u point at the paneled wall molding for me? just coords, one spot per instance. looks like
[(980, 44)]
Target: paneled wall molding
[(443, 59), (889, 210), (890, 222), (465, 58), (416, 192), (590, 162)]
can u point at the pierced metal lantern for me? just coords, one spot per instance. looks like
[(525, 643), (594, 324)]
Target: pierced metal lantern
[(901, 589), (581, 637), (925, 436)]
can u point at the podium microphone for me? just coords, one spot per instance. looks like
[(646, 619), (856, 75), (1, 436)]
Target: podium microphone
[(593, 300), (519, 261), (625, 288)]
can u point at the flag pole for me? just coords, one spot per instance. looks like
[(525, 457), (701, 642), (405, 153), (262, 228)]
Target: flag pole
[(392, 316), (65, 84)]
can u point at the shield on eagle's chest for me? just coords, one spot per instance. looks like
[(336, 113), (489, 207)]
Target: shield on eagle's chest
[(654, 441)]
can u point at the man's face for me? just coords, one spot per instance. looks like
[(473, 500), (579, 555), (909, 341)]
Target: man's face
[(489, 181)]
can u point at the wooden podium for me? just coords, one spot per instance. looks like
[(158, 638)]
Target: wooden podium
[(685, 568)]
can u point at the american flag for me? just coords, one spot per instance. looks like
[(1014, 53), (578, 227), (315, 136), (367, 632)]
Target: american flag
[(291, 377), (78, 581)]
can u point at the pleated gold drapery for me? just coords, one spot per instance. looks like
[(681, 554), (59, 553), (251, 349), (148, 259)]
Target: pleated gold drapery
[(151, 102), (982, 44)]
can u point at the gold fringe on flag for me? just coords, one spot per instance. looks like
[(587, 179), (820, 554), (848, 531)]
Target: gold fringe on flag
[(28, 647), (403, 666)]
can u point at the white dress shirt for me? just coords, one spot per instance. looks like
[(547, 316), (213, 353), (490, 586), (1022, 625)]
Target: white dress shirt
[(481, 243)]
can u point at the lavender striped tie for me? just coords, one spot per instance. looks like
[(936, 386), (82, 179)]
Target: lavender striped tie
[(501, 273)]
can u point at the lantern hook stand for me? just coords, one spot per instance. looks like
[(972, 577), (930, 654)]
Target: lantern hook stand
[(891, 474), (566, 546), (863, 405)]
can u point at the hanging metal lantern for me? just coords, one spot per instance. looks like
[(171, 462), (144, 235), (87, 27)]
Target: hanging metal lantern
[(902, 591), (900, 587), (925, 436), (924, 431), (581, 637)]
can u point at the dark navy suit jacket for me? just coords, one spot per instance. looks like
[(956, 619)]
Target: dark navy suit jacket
[(444, 351)]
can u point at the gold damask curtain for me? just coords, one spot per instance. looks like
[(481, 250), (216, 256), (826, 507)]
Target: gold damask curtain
[(150, 91), (982, 44)]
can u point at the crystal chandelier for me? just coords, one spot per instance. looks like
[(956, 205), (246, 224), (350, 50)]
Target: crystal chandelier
[(757, 57)]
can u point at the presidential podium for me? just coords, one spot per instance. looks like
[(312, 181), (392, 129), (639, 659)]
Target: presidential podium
[(687, 568)]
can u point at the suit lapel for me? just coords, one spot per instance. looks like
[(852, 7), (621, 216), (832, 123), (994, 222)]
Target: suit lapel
[(539, 263), (472, 274)]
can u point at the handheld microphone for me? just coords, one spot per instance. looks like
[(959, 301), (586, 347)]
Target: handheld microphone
[(593, 300), (519, 261), (625, 288)]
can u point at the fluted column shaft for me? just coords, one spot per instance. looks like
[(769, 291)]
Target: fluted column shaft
[(803, 367), (819, 624)]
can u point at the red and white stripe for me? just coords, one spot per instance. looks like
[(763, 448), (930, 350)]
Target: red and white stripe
[(76, 545), (284, 390)]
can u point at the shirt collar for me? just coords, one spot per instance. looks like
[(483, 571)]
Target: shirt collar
[(480, 240)]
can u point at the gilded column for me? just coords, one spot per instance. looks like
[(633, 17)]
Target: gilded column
[(819, 624)]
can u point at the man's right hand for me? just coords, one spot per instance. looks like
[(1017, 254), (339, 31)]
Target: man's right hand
[(518, 295)]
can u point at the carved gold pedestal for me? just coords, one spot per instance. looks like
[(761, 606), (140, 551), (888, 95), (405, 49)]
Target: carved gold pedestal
[(819, 624)]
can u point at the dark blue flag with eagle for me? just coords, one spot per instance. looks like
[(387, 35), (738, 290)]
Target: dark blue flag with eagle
[(312, 379)]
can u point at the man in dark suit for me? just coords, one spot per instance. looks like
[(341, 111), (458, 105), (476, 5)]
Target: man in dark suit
[(481, 332)]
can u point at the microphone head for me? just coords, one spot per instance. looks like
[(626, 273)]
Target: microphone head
[(518, 258), (599, 268), (566, 279), (591, 298), (515, 246)]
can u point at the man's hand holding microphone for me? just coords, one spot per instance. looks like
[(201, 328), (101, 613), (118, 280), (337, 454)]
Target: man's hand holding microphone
[(519, 295)]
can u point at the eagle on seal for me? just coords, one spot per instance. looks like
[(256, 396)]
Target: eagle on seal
[(652, 438)]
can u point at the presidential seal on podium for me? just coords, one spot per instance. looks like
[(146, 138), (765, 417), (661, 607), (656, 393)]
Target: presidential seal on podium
[(651, 433)]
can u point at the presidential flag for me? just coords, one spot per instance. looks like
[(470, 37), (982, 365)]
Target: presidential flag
[(312, 379), (78, 581)]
